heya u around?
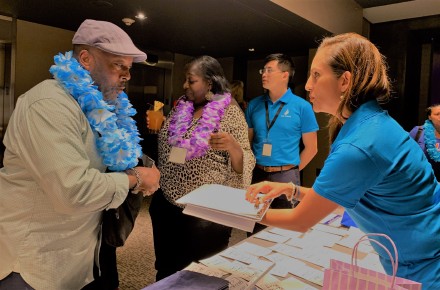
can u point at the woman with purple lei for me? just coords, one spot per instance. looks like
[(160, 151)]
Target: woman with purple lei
[(203, 141)]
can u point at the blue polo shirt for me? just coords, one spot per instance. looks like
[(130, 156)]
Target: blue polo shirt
[(295, 118), (380, 175)]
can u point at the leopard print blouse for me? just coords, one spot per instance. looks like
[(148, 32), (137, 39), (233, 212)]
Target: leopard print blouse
[(176, 180)]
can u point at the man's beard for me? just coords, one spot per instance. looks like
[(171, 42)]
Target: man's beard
[(111, 93)]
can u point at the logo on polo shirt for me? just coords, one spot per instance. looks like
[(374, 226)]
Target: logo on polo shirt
[(286, 114)]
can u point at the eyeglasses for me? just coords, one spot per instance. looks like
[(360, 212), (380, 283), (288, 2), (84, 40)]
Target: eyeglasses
[(268, 70), (121, 67)]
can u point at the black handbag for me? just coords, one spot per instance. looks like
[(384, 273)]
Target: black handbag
[(118, 223)]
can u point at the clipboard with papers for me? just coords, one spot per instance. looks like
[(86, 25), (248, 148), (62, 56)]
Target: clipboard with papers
[(224, 205)]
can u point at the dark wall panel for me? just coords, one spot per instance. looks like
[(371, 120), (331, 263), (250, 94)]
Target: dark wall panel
[(401, 42)]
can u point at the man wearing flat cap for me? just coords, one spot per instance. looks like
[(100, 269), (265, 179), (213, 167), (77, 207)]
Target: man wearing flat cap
[(63, 138)]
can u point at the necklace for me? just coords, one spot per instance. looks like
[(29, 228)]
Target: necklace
[(117, 137), (430, 141), (198, 143)]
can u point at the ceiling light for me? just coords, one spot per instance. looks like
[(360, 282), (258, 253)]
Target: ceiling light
[(101, 3), (128, 21), (141, 16), (251, 49)]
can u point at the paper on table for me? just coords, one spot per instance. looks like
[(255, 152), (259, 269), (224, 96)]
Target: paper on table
[(293, 283), (283, 264), (350, 242), (314, 239), (200, 268), (329, 229), (236, 283), (285, 233), (287, 250), (255, 280), (263, 235), (216, 261), (246, 272), (239, 255), (253, 249), (269, 282)]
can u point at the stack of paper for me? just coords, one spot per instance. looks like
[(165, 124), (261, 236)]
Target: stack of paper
[(224, 205)]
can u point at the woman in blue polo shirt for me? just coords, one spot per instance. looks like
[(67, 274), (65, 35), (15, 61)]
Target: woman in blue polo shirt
[(374, 169)]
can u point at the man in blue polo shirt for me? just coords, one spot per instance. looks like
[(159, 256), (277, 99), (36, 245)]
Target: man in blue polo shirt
[(277, 121)]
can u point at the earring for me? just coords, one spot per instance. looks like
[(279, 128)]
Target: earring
[(209, 95), (342, 97)]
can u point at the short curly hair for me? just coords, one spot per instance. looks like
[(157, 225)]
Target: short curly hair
[(429, 109)]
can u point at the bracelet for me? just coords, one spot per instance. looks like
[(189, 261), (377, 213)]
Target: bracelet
[(138, 180), (292, 193), (295, 192), (298, 192)]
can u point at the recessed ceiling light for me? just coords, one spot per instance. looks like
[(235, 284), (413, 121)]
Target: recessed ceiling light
[(251, 49), (141, 16)]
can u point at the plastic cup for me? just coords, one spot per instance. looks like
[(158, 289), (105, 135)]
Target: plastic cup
[(155, 119)]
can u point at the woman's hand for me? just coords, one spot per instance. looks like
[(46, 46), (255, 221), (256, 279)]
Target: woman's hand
[(270, 189), (223, 141), (226, 142)]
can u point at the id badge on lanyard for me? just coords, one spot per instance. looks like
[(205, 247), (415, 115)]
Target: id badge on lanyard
[(267, 144), (267, 148)]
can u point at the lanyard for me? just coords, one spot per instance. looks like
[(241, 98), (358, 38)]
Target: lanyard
[(269, 125)]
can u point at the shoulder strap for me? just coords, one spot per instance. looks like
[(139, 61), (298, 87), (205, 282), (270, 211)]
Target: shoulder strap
[(419, 131)]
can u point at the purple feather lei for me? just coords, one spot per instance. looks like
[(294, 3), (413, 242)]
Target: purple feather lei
[(198, 144)]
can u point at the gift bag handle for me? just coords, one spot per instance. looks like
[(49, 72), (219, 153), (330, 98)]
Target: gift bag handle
[(394, 262)]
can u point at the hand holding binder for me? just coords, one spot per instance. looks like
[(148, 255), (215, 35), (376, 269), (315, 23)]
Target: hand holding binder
[(224, 205)]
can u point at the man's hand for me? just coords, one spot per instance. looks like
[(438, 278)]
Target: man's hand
[(149, 179)]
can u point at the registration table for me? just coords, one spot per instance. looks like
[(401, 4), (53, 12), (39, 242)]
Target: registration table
[(280, 259)]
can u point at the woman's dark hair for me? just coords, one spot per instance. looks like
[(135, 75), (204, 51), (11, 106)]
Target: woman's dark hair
[(211, 70), (429, 109)]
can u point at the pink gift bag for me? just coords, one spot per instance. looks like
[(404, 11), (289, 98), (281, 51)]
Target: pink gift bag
[(345, 276)]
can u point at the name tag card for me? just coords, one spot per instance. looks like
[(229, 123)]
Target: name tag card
[(267, 149), (177, 155)]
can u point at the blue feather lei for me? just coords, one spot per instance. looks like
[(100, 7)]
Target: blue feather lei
[(430, 141), (117, 137)]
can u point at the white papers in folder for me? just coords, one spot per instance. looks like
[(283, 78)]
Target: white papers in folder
[(224, 205)]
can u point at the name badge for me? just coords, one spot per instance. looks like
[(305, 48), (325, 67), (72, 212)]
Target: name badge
[(177, 155), (267, 149)]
